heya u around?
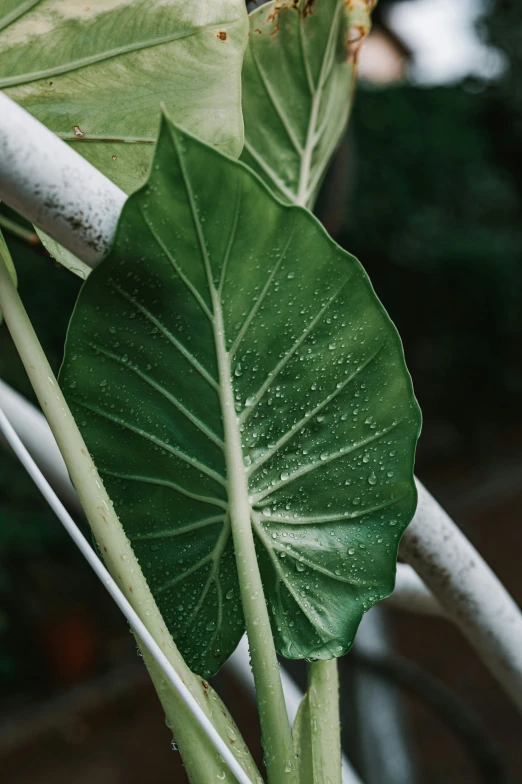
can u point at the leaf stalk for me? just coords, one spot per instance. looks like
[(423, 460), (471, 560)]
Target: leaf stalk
[(323, 682), (200, 759), (276, 734)]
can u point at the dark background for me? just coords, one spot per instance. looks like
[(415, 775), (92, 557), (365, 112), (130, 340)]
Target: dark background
[(427, 191)]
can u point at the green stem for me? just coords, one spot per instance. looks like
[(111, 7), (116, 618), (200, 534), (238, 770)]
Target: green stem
[(202, 762), (12, 227), (276, 734), (323, 684)]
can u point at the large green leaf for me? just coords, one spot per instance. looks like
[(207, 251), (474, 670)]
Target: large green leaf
[(298, 85), (217, 296), (96, 71)]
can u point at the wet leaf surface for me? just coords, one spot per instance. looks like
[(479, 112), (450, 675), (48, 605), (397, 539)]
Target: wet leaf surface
[(213, 284)]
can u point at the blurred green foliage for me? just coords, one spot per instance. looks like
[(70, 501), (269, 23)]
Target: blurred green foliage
[(28, 529), (435, 215)]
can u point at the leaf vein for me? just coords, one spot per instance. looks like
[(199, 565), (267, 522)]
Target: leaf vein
[(16, 13), (259, 300), (317, 567), (287, 193), (149, 480), (75, 65), (201, 426), (190, 286), (195, 217), (288, 585), (322, 462), (232, 237), (307, 418), (192, 461), (173, 532), (213, 576), (275, 103), (185, 574), (335, 518), (289, 354), (170, 337)]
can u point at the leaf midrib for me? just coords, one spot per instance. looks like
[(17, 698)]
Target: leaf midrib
[(305, 185), (239, 506), (304, 193)]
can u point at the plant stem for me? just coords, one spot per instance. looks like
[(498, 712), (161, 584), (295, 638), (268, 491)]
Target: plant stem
[(202, 762), (323, 684), (276, 734), (12, 227)]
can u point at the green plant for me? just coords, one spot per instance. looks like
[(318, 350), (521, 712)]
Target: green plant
[(227, 360)]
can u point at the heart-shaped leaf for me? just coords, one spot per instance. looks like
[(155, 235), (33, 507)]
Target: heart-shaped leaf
[(229, 355), (298, 84)]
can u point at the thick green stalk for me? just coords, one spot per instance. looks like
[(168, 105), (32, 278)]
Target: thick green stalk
[(323, 682), (202, 762), (317, 728), (277, 741), (18, 231)]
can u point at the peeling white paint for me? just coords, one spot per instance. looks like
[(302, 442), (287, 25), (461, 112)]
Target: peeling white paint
[(47, 182), (468, 590)]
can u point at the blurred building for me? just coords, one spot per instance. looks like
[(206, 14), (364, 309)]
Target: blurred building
[(384, 58)]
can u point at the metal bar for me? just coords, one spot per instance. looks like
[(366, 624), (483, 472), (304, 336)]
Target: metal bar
[(47, 182), (36, 435), (412, 595), (468, 590), (383, 732)]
